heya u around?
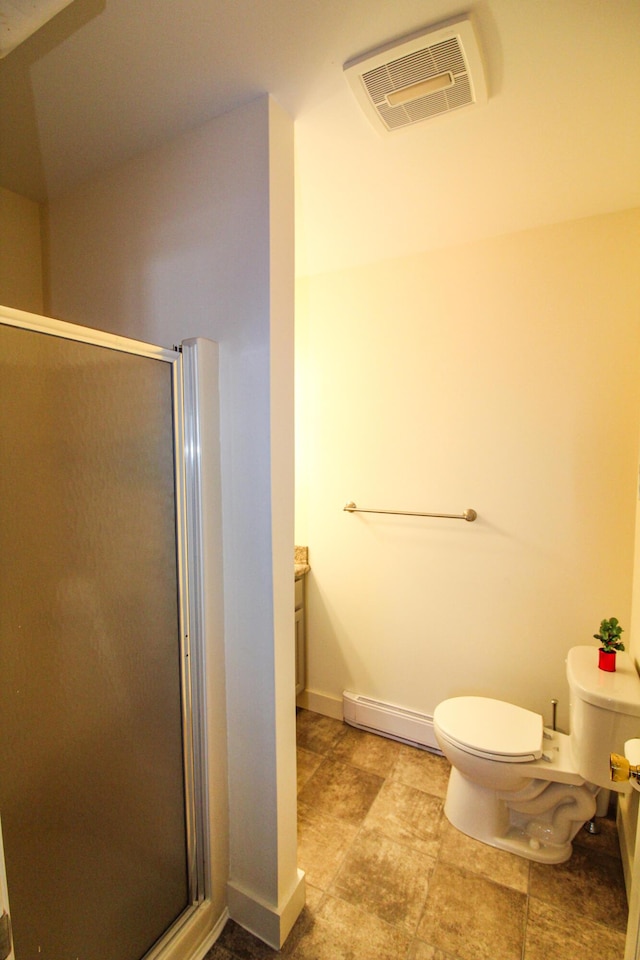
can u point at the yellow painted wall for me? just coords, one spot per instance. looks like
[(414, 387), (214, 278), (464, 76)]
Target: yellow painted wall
[(20, 252), (504, 376)]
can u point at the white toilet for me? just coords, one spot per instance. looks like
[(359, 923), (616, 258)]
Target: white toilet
[(527, 789)]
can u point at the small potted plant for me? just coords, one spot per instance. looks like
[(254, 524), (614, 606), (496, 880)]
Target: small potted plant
[(610, 643)]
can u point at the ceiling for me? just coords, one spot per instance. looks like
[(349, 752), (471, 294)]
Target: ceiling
[(558, 139)]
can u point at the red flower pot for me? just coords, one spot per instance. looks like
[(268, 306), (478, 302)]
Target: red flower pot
[(607, 660)]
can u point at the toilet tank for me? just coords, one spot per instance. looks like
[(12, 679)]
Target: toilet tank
[(604, 711)]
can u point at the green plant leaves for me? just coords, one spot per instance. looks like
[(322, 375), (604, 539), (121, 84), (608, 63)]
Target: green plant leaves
[(609, 636)]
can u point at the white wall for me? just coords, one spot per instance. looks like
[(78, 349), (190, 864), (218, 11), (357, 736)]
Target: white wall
[(181, 243), (20, 252), (503, 376)]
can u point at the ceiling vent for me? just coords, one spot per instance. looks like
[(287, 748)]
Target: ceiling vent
[(435, 72)]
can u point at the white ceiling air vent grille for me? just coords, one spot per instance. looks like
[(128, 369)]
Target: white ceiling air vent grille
[(426, 75)]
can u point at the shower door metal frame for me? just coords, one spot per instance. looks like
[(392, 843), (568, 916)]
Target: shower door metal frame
[(187, 510)]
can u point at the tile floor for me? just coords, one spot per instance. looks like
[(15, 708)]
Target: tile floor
[(388, 878)]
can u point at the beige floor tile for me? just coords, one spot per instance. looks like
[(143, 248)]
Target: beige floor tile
[(302, 925), (589, 884), (370, 825), (604, 842), (314, 897), (471, 917), (554, 934), (323, 841), (422, 951), (421, 769), (342, 932), (367, 751), (307, 764), (407, 815), (317, 733), (235, 943), (218, 953), (341, 790), (241, 944), (385, 878), (498, 865)]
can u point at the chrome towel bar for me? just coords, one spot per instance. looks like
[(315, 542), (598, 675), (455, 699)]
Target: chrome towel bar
[(469, 514)]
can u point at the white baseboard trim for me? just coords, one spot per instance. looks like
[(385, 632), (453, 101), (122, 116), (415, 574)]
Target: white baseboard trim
[(389, 720), (193, 935), (270, 924), (320, 703), (213, 936)]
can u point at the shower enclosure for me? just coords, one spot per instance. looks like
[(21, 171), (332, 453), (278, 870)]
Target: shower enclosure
[(101, 798)]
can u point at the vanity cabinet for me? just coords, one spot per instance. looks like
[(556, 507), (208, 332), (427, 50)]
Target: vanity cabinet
[(300, 635)]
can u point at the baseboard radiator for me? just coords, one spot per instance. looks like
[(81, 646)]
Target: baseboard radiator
[(389, 720)]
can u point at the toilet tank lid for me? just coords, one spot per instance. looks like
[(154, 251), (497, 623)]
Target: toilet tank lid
[(491, 728), (618, 691)]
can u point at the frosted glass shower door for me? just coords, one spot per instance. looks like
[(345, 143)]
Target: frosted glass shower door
[(93, 800)]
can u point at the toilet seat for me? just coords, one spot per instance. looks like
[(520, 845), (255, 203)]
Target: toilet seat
[(492, 729)]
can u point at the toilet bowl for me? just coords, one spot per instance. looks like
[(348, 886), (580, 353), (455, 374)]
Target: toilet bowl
[(523, 788)]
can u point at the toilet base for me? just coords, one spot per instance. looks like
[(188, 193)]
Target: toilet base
[(483, 814)]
